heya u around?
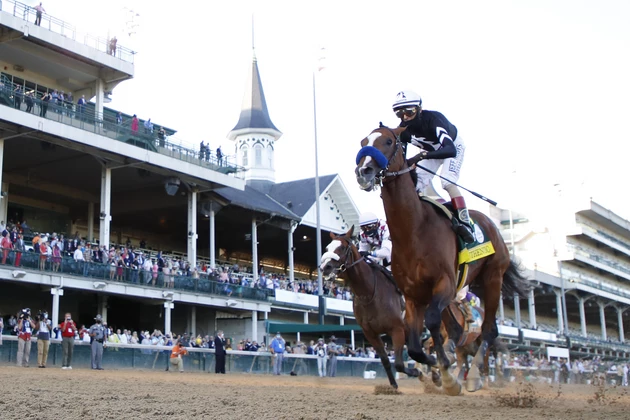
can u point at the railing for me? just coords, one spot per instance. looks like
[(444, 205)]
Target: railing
[(207, 285), (121, 356), (85, 118), (53, 24)]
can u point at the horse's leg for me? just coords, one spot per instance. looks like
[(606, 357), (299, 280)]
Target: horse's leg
[(414, 319), (398, 339), (379, 347), (433, 321), (489, 330), (462, 363)]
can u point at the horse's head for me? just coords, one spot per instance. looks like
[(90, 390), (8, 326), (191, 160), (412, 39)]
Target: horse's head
[(338, 254), (381, 153)]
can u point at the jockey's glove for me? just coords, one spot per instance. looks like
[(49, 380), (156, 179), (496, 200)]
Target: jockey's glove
[(364, 253), (405, 136)]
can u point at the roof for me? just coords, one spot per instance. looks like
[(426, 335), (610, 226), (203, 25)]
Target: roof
[(254, 113), (252, 199), (299, 196)]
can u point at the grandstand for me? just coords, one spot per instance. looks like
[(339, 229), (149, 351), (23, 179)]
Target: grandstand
[(91, 172)]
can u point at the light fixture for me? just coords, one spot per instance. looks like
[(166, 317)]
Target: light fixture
[(18, 274), (231, 302), (99, 285), (167, 294), (171, 185)]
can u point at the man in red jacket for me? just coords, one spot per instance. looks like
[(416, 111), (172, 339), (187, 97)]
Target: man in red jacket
[(68, 330)]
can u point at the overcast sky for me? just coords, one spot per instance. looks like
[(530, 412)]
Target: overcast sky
[(539, 90)]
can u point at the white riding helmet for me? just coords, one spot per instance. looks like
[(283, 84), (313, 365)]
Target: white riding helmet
[(406, 98), (367, 219)]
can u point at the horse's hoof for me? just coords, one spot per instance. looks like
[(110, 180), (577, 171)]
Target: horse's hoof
[(453, 390), (473, 384)]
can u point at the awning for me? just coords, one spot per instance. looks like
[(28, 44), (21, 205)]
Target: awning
[(274, 327)]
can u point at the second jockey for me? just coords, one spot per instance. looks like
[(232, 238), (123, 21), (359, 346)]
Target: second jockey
[(375, 241), (440, 145)]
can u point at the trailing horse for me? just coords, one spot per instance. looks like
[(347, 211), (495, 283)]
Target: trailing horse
[(425, 262), (377, 303)]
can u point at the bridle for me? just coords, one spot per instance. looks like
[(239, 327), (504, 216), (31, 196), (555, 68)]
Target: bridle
[(384, 173), (344, 266)]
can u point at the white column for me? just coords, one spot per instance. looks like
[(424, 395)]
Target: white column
[(54, 316), (352, 339), (582, 316), (102, 306), (291, 249), (212, 238), (168, 306), (620, 322), (106, 197), (99, 90), (192, 228), (559, 311), (602, 319), (193, 321), (532, 310), (90, 222), (255, 250), (517, 310), (342, 320), (4, 199), (306, 317), (298, 336), (266, 316), (255, 325), (501, 311)]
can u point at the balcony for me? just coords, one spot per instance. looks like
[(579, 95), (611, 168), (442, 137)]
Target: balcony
[(58, 26), (86, 118)]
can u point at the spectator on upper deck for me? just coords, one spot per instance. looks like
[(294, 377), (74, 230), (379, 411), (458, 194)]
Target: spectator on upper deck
[(148, 127), (134, 124), (112, 46), (39, 10)]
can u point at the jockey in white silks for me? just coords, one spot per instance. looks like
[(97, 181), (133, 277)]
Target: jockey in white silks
[(375, 241)]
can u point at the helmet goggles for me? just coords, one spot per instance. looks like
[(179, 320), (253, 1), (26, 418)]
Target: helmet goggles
[(406, 112)]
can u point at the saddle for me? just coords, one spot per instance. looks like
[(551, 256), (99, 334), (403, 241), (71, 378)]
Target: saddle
[(467, 253)]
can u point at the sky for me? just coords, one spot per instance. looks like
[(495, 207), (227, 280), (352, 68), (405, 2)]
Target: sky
[(538, 89)]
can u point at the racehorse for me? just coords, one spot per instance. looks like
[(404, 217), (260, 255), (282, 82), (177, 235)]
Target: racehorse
[(426, 257), (377, 303)]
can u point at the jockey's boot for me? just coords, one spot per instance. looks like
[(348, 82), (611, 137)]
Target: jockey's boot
[(462, 228)]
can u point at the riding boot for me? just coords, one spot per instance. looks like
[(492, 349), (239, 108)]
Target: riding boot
[(463, 227)]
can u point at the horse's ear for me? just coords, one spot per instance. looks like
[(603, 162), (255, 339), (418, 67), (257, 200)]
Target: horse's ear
[(350, 233), (380, 124), (333, 236)]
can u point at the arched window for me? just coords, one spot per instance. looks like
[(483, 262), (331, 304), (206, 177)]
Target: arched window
[(258, 149), (244, 156)]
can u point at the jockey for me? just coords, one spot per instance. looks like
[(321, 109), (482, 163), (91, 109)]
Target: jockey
[(468, 299), (375, 241), (440, 145)]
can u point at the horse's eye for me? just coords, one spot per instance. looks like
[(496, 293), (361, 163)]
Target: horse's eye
[(389, 142)]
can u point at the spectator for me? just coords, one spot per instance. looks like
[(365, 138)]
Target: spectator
[(220, 350), (25, 327), (6, 245), (277, 348), (321, 349), (112, 46), (39, 10), (202, 150), (148, 127), (134, 125), (119, 118), (219, 156), (162, 139), (97, 332), (81, 106), (333, 351), (43, 339), (176, 356)]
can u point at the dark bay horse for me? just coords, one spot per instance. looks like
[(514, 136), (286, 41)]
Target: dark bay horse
[(425, 260), (377, 303)]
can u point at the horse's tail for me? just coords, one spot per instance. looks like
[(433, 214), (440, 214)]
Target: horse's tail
[(514, 282)]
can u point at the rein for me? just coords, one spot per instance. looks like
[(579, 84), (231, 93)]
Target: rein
[(343, 268)]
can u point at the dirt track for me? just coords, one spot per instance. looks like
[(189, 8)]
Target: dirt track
[(123, 394)]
